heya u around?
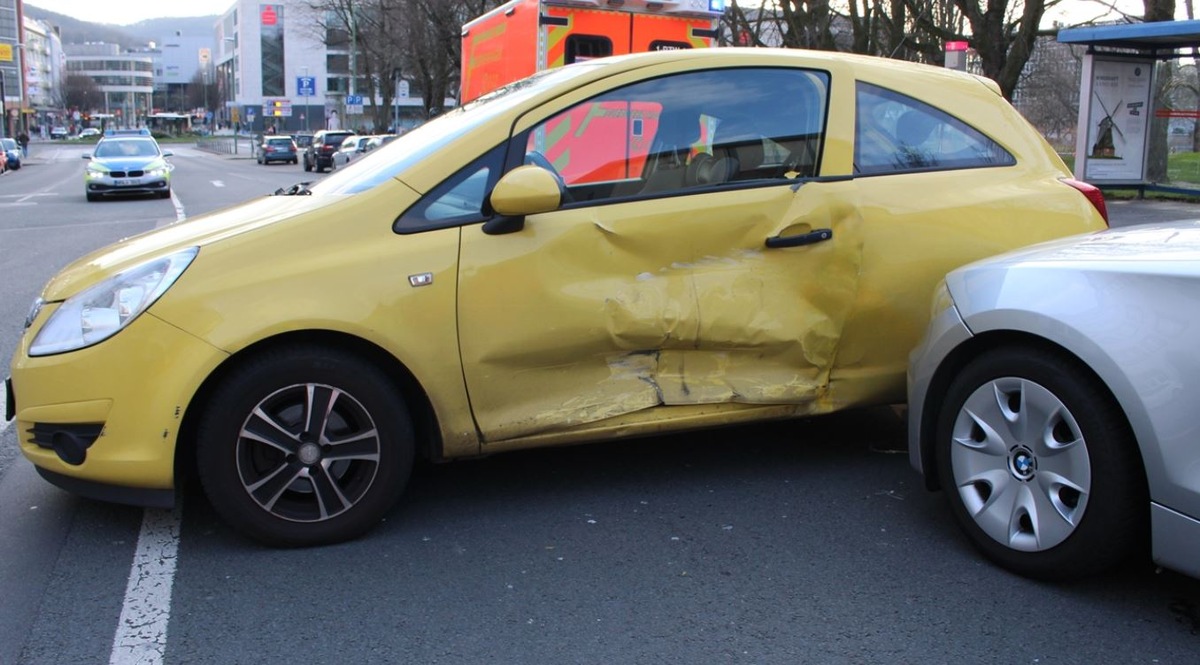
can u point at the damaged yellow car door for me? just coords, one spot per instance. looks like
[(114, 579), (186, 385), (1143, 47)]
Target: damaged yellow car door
[(693, 261)]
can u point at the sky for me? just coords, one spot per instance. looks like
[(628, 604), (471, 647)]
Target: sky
[(125, 12)]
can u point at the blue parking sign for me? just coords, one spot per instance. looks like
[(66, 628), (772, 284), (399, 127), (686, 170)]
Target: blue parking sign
[(306, 86)]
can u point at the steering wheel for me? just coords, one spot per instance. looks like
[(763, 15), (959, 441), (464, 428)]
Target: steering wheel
[(536, 158)]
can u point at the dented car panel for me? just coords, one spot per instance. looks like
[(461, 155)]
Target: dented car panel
[(596, 312)]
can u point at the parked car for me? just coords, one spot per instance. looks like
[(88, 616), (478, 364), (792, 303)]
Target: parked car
[(352, 147), (643, 244), (127, 163), (59, 133), (303, 140), (318, 155), (88, 132), (379, 141), (1053, 400), (277, 149), (12, 154)]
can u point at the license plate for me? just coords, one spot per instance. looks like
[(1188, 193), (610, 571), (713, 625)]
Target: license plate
[(126, 182)]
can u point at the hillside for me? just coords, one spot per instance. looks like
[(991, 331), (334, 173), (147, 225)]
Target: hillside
[(137, 35)]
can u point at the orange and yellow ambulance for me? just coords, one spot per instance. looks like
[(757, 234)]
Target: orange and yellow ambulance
[(521, 37)]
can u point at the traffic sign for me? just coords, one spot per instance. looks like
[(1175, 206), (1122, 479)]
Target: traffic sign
[(354, 104), (277, 108), (306, 86)]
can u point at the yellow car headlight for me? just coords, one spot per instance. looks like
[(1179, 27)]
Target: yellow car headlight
[(95, 314)]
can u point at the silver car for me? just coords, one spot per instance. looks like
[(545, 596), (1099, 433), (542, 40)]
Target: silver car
[(1055, 399)]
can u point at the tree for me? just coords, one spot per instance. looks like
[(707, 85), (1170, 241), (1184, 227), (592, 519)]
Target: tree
[(416, 40), (81, 93), (202, 91)]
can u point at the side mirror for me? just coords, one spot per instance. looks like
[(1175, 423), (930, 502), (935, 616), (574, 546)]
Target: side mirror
[(87, 155), (526, 190), (168, 153)]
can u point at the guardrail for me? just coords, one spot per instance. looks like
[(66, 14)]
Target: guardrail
[(226, 145)]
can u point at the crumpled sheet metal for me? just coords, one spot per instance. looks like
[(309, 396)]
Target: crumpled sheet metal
[(750, 325)]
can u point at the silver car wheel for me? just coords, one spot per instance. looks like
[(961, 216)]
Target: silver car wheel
[(308, 452), (1020, 464)]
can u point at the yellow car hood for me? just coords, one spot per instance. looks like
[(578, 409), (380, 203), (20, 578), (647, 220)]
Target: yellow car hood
[(200, 231)]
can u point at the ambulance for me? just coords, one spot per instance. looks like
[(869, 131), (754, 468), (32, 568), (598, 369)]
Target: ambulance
[(521, 37)]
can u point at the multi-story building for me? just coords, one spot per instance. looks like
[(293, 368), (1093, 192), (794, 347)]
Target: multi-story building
[(45, 64), (12, 84), (275, 66), (126, 80), (268, 53), (181, 62)]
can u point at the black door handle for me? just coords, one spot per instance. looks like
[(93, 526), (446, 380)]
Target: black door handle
[(820, 235)]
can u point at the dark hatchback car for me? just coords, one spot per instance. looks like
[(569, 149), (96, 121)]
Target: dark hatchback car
[(278, 149), (319, 154)]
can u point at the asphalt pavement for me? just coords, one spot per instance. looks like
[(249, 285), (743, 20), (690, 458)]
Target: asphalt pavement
[(1148, 211)]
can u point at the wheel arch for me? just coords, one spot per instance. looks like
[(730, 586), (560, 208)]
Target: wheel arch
[(974, 347), (424, 420)]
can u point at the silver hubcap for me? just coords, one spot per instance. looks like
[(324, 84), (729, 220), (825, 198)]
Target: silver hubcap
[(1020, 464), (308, 452)]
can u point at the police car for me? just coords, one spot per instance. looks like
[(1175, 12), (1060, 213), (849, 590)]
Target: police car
[(127, 162)]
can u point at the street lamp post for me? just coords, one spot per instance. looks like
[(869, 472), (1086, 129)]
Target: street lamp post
[(307, 97)]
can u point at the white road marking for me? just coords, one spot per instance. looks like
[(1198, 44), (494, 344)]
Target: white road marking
[(218, 183), (141, 637), (3, 397), (180, 214)]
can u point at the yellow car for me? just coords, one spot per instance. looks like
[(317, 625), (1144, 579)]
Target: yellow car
[(615, 248)]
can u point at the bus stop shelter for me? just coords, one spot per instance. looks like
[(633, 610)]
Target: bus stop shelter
[(1117, 138)]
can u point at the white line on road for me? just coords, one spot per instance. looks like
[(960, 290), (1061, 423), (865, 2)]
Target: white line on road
[(180, 214), (4, 396), (218, 183), (141, 637)]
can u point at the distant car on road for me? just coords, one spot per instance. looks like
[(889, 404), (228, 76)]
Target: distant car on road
[(127, 164), (277, 149), (88, 132), (319, 154), (58, 133), (12, 154), (303, 140), (1053, 401), (352, 147)]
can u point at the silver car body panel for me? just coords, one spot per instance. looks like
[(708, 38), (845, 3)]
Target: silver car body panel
[(1126, 302)]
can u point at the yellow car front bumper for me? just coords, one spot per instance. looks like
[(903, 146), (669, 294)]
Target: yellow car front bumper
[(104, 421)]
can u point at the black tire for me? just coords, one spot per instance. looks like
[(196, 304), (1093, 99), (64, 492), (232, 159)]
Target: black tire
[(1039, 465), (93, 197), (329, 498), (165, 194)]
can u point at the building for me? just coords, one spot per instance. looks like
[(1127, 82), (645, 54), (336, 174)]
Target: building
[(276, 67), (45, 67), (267, 56), (126, 80), (180, 62), (12, 83)]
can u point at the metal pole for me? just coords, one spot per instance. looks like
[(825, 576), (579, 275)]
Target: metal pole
[(3, 106)]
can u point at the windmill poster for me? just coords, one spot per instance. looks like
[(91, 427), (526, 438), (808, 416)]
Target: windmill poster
[(1118, 120)]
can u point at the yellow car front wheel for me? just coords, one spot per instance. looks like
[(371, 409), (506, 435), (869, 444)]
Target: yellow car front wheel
[(305, 446)]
